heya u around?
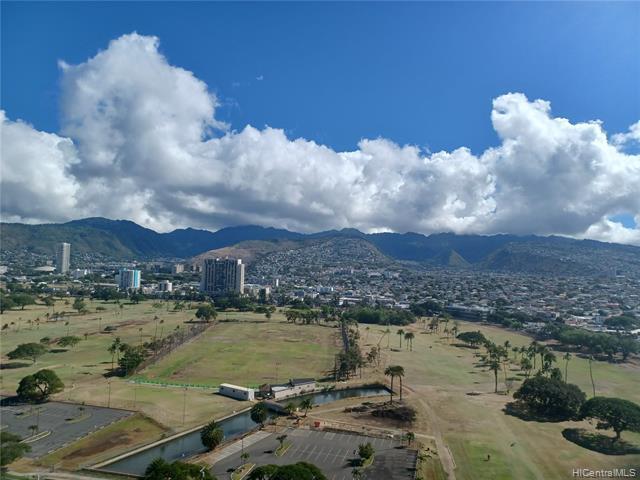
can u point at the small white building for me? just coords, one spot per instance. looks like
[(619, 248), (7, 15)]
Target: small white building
[(295, 387), (235, 391)]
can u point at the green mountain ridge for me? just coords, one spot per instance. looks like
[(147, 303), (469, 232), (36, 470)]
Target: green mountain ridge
[(125, 240)]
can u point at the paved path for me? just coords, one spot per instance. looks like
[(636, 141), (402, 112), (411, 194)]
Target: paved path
[(235, 447)]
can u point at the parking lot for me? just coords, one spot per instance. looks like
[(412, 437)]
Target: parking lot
[(66, 422), (332, 452)]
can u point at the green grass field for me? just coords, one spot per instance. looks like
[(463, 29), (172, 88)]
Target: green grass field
[(474, 426), (242, 348), (90, 358), (248, 353)]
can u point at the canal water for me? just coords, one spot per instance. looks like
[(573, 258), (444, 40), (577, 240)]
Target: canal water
[(183, 447)]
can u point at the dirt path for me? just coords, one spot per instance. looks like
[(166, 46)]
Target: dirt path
[(446, 458)]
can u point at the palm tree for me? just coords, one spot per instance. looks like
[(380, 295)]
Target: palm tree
[(394, 371), (281, 440), (494, 365), (400, 333), (114, 349), (566, 357), (526, 365), (244, 457), (390, 372), (455, 329), (155, 333), (306, 405), (400, 375), (410, 436), (290, 408), (532, 351), (409, 336), (161, 328), (593, 384)]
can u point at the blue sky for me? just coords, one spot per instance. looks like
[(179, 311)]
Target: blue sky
[(422, 74)]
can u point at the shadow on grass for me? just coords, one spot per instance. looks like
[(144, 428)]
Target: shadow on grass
[(520, 410), (11, 366), (465, 345), (599, 443)]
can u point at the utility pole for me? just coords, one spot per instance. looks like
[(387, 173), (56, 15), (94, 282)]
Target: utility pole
[(109, 395), (135, 395), (184, 406)]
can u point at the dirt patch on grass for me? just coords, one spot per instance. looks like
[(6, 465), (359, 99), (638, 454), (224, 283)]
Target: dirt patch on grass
[(118, 439)]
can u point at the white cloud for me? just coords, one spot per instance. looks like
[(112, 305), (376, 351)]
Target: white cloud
[(35, 183), (633, 135), (142, 142), (607, 230)]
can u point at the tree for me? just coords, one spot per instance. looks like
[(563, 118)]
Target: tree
[(160, 469), (410, 436), (472, 338), (409, 336), (206, 313), (365, 452), (290, 407), (593, 383), (613, 413), (259, 413), (11, 448), (131, 358), (6, 303), (566, 357), (69, 341), (295, 471), (281, 439), (39, 386), (136, 297), (400, 334), (22, 300), (394, 371), (27, 351), (526, 365), (114, 349), (400, 374), (306, 405), (211, 435), (551, 397), (49, 301), (79, 305), (494, 366)]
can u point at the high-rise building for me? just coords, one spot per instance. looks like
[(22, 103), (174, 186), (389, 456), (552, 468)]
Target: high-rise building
[(177, 268), (221, 276), (63, 257), (128, 279), (165, 286)]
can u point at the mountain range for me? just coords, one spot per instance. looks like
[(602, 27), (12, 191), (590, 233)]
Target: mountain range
[(123, 239)]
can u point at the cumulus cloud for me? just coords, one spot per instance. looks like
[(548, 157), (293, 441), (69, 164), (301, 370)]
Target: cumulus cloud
[(36, 183), (141, 141)]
